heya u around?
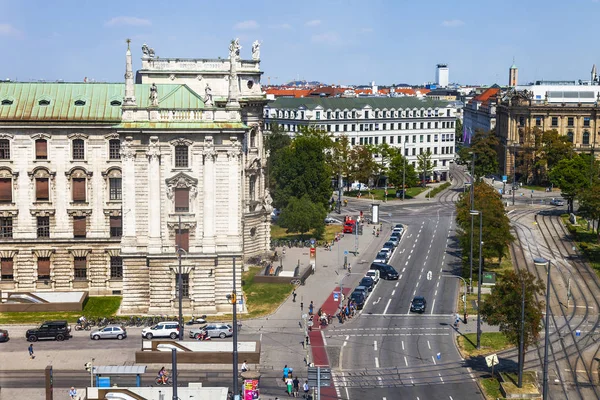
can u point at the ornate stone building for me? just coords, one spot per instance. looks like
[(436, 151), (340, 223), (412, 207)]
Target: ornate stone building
[(100, 183)]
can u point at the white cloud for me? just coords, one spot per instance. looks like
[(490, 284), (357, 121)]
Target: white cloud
[(9, 30), (313, 22), (329, 38), (246, 25), (131, 21), (452, 23), (281, 26)]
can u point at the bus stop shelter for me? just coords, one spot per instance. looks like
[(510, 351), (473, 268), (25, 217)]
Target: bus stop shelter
[(103, 373)]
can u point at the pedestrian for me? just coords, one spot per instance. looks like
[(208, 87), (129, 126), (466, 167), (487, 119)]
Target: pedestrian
[(289, 383), (244, 366), (301, 306), (72, 393), (296, 383), (30, 348), (306, 388), (286, 372), (313, 267), (456, 320), (311, 308), (294, 295)]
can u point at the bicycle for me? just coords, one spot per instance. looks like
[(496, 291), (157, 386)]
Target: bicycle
[(167, 382)]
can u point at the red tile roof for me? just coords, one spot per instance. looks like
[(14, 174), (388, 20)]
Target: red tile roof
[(289, 92), (486, 95)]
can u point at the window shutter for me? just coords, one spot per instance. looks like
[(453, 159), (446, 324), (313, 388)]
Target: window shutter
[(79, 226), (182, 199), (78, 189), (43, 266), (6, 190), (115, 222), (41, 149), (183, 239), (7, 266), (41, 189)]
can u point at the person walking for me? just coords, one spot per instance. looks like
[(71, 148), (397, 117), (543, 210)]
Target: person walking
[(456, 320), (244, 366), (72, 393), (289, 383), (311, 308), (296, 383), (30, 348), (286, 372), (294, 295), (306, 388)]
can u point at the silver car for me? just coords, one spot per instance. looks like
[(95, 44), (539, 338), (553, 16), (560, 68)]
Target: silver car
[(109, 332), (214, 330)]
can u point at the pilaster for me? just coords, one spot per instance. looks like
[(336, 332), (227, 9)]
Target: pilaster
[(210, 156), (154, 196), (129, 195)]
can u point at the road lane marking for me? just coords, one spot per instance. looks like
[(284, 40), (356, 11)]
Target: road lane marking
[(405, 361), (403, 345), (420, 277), (377, 363), (433, 358), (438, 285), (377, 301), (428, 345), (414, 294), (386, 307), (375, 345), (399, 279), (432, 306), (412, 383), (435, 294), (393, 292), (346, 340), (397, 283), (404, 269), (408, 257), (451, 398), (323, 336), (441, 379)]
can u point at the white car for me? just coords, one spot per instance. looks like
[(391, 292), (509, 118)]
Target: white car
[(382, 257), (168, 329), (399, 230), (388, 251), (373, 273)]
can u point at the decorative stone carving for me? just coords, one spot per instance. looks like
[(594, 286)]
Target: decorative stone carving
[(256, 50), (37, 136), (208, 99), (42, 212), (43, 253), (153, 95), (8, 253), (153, 151), (182, 180), (267, 201), (234, 49), (9, 213), (112, 172), (78, 172), (111, 136), (181, 142), (113, 212), (6, 136), (78, 136), (209, 151), (113, 252), (80, 252), (127, 150), (174, 224), (147, 52), (83, 212)]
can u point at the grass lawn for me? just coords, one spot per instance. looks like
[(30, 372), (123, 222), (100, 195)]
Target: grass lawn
[(379, 194), (586, 241), (490, 265), (263, 298), (94, 307), (491, 388), (438, 189), (491, 342), (278, 232)]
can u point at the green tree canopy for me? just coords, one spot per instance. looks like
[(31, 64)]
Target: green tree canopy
[(424, 164), (571, 175), (395, 173), (502, 307), (302, 215), (274, 142), (364, 166), (589, 204), (340, 159), (484, 145)]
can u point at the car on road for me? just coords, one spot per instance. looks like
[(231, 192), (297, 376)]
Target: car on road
[(399, 226), (382, 256), (397, 234), (374, 274), (368, 283), (389, 245), (109, 332), (557, 202), (364, 290), (214, 330), (386, 271), (395, 240), (167, 329), (3, 335), (358, 298), (57, 330), (331, 220), (418, 304)]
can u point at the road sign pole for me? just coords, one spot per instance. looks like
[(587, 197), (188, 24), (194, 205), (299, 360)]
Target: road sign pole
[(318, 383)]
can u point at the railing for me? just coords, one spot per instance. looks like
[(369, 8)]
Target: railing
[(180, 115)]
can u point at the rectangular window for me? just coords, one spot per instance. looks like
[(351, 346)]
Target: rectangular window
[(328, 114), (353, 114), (79, 226), (366, 114), (41, 189), (376, 127), (414, 151), (4, 149), (414, 125), (422, 125), (115, 191), (353, 141), (6, 227), (586, 121), (383, 126), (181, 156), (182, 239), (6, 269), (571, 121), (182, 199), (116, 226), (435, 163), (43, 227), (370, 127), (116, 268), (43, 268), (318, 115), (353, 127), (554, 121), (80, 267), (370, 139), (391, 140), (5, 190), (360, 127), (114, 149), (421, 138), (435, 125), (376, 140), (383, 139), (78, 189), (337, 128), (428, 138), (328, 128), (376, 114), (414, 138), (538, 121), (521, 120), (447, 113), (435, 150), (429, 125), (360, 141), (185, 285), (41, 149), (78, 149)]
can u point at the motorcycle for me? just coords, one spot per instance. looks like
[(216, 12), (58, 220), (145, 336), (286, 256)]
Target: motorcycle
[(80, 327), (197, 321)]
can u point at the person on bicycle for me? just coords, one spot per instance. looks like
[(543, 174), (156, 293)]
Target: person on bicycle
[(162, 375)]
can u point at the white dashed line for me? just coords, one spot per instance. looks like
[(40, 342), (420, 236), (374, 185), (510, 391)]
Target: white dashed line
[(376, 362), (432, 306), (404, 269), (433, 358), (375, 345), (324, 340), (405, 361), (435, 294), (441, 379), (400, 277), (386, 307), (403, 345), (419, 278), (397, 283), (393, 292), (428, 345)]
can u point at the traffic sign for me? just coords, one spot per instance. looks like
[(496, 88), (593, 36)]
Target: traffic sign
[(577, 332), (491, 360), (325, 376), (336, 296), (312, 241), (345, 252), (504, 178)]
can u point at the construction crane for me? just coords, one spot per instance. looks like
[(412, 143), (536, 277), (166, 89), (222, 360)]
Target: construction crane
[(269, 79)]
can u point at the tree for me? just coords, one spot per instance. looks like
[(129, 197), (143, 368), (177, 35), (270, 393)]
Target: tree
[(424, 164), (502, 307), (458, 130), (589, 204), (571, 175), (340, 159), (274, 142), (385, 152), (363, 164), (395, 173), (302, 215), (484, 145)]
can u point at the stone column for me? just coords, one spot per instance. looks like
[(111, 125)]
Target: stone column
[(129, 197), (234, 190), (153, 153), (210, 157)]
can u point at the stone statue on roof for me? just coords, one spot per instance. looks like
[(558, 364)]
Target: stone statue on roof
[(154, 95), (256, 50), (208, 100), (234, 49), (147, 52)]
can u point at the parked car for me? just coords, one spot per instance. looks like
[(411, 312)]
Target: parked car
[(396, 234), (165, 329), (331, 220), (557, 202), (109, 332), (57, 330), (364, 290), (214, 330), (395, 240), (382, 256), (359, 298), (418, 304), (374, 274), (197, 321), (399, 231), (389, 245), (367, 282), (3, 335), (399, 226), (386, 271)]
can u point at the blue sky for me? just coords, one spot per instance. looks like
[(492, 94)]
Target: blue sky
[(346, 42)]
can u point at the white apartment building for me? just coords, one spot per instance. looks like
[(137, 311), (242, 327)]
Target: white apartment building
[(413, 124)]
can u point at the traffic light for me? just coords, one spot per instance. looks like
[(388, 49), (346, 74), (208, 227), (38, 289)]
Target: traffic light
[(88, 366), (233, 298)]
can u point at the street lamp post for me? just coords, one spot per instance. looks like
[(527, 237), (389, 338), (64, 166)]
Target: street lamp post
[(235, 337), (180, 282), (522, 339), (404, 169), (472, 208), (514, 171), (539, 262), (479, 280), (465, 281)]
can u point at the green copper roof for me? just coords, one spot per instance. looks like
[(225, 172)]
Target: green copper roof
[(341, 103), (180, 125), (84, 102)]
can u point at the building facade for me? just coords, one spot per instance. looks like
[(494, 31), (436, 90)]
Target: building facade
[(442, 75), (104, 184), (480, 113), (415, 125), (570, 109)]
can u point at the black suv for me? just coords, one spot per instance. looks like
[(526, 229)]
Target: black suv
[(58, 330), (386, 271)]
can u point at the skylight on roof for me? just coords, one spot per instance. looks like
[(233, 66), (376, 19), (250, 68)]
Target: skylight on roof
[(44, 102), (115, 103), (6, 102), (80, 102)]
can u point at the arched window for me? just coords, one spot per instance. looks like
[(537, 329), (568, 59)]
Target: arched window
[(585, 138), (570, 136)]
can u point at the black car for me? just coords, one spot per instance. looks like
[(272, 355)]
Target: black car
[(418, 304), (358, 297), (367, 282), (57, 330), (3, 335), (386, 271)]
